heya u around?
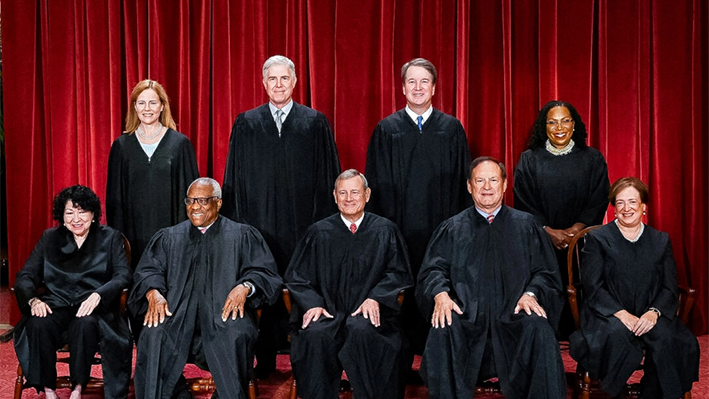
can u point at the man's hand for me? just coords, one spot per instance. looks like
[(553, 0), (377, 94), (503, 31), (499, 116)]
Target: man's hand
[(88, 306), (235, 302), (529, 304), (370, 310), (645, 323), (442, 311), (627, 319), (157, 309), (39, 308), (313, 314)]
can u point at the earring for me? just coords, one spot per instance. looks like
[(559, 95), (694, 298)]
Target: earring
[(644, 213)]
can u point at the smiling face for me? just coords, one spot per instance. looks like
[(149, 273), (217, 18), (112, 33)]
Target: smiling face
[(560, 126), (279, 85), (351, 197), (487, 186), (629, 208), (203, 215), (419, 89), (77, 220), (148, 107)]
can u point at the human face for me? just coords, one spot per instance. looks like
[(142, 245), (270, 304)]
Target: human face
[(77, 220), (560, 126), (629, 208), (487, 186), (279, 85), (418, 88), (351, 197), (148, 106), (203, 215)]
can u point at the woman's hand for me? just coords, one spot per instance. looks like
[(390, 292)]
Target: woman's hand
[(559, 238), (645, 323), (38, 308), (89, 305), (626, 318)]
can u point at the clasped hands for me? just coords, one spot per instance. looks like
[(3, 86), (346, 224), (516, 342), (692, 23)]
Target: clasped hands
[(158, 307), (442, 315), (638, 325), (562, 238), (369, 309), (39, 308)]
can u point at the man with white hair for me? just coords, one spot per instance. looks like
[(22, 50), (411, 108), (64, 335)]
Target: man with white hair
[(281, 165)]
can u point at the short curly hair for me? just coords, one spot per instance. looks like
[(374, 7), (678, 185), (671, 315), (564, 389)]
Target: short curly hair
[(82, 197), (538, 131)]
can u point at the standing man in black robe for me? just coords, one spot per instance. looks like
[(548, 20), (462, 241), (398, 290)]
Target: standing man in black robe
[(491, 288), (345, 278), (197, 288), (280, 168), (417, 163)]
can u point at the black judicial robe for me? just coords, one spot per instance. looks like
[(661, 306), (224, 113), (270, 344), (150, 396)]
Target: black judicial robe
[(70, 274), (280, 185), (337, 270), (195, 272), (486, 268), (418, 179), (618, 274), (146, 194)]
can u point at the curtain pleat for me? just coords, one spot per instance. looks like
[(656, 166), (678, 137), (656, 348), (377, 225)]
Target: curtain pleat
[(634, 69)]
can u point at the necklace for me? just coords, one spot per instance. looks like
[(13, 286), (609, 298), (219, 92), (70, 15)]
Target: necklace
[(150, 137), (559, 151)]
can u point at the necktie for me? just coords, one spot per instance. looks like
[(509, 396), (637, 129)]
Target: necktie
[(489, 218), (279, 121), (419, 119), (353, 228), (203, 229)]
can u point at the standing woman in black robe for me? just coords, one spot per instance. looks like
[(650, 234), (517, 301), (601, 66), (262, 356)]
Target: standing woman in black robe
[(562, 182), (149, 169), (82, 267), (631, 302)]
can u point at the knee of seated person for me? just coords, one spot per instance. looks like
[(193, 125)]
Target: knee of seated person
[(89, 322), (359, 326), (39, 324)]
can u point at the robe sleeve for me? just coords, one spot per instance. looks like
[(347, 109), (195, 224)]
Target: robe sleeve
[(463, 198), (186, 172), (327, 169), (434, 276), (667, 299), (121, 273), (526, 195), (151, 273), (596, 295), (258, 267), (31, 276), (380, 175), (301, 276), (397, 275), (230, 195), (114, 188), (599, 186), (545, 281)]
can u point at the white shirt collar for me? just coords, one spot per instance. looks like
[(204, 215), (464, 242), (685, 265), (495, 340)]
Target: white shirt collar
[(286, 109), (348, 223), (413, 115), (485, 214)]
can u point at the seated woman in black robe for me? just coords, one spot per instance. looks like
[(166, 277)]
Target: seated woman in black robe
[(82, 268), (631, 301)]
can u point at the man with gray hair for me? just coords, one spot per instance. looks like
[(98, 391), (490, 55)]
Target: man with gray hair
[(196, 288), (281, 164), (345, 278)]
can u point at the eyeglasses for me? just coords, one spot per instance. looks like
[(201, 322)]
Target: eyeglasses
[(202, 201), (564, 122), (479, 182)]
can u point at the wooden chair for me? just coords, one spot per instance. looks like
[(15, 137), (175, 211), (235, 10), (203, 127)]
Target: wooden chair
[(95, 385), (584, 385)]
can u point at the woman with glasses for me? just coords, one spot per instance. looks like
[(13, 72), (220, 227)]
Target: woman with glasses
[(631, 301), (562, 182), (149, 169), (69, 292)]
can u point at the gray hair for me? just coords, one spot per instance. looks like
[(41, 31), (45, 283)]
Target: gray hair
[(279, 60), (207, 181), (350, 173)]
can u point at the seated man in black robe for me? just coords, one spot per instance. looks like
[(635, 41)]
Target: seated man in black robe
[(197, 287), (491, 288), (345, 278)]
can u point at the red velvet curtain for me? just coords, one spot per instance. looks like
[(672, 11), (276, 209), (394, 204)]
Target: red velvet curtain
[(636, 70)]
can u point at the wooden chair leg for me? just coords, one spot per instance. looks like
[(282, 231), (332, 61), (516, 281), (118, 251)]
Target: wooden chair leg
[(19, 383), (582, 390), (293, 390), (252, 388), (688, 395)]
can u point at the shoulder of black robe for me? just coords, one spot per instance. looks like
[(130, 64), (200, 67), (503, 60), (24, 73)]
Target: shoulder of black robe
[(184, 170), (381, 248), (599, 186), (114, 184), (526, 191)]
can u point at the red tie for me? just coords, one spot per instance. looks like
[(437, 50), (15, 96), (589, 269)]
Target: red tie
[(489, 218), (353, 228), (203, 229)]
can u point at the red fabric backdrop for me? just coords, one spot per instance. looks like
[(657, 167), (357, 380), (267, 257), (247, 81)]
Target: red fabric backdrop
[(635, 70)]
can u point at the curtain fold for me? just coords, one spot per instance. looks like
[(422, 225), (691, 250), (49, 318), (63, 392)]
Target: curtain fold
[(636, 71)]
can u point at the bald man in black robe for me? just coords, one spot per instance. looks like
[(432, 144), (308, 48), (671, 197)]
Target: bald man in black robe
[(491, 288), (197, 288), (345, 277)]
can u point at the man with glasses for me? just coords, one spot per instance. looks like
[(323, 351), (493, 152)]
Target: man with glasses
[(197, 288), (490, 286)]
